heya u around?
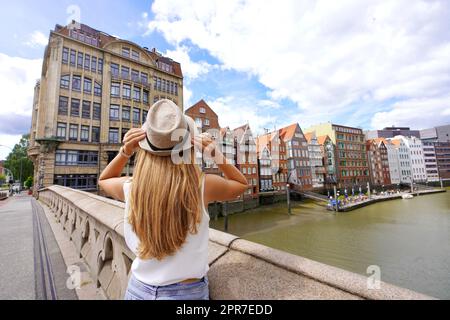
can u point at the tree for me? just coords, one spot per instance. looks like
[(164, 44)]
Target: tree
[(29, 182), (17, 161), (2, 179)]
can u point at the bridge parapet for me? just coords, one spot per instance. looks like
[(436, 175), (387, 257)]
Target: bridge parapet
[(239, 269)]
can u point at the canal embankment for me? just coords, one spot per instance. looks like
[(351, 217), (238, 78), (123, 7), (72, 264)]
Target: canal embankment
[(380, 198)]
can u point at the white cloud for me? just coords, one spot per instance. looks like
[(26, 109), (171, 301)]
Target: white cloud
[(9, 141), (191, 69), (327, 56), (37, 39), (235, 112), (18, 77)]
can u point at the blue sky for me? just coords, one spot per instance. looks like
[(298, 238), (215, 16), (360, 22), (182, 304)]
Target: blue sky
[(369, 64)]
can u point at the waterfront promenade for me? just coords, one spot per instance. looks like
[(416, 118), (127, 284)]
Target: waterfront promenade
[(353, 205)]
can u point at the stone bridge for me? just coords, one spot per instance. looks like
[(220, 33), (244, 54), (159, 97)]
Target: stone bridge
[(89, 230)]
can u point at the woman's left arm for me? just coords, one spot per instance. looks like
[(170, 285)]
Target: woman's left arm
[(110, 180)]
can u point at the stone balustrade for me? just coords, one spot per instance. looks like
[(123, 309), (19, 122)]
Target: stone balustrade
[(239, 269)]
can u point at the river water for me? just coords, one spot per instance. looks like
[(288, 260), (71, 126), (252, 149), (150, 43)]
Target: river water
[(408, 239)]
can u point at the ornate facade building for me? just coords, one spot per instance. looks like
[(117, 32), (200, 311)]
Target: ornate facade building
[(93, 88)]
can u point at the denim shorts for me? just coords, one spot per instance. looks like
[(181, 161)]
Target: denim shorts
[(138, 290)]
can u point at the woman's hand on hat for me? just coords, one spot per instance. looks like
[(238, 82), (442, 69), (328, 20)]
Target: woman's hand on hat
[(206, 144), (131, 140)]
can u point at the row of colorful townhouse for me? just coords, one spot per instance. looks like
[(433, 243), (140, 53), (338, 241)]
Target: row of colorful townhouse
[(324, 155)]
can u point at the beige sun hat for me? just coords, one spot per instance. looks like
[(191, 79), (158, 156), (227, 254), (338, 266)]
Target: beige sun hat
[(167, 129)]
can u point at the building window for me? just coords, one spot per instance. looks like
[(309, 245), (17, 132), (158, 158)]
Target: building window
[(115, 70), (97, 89), (125, 73), (96, 113), (87, 87), (144, 115), (75, 108), (206, 122), (94, 64), (60, 157), (95, 135), (65, 55), (65, 82), (80, 60), (144, 78), (155, 99), (77, 181), (76, 83), (63, 105), (100, 65), (86, 110), (115, 89), (126, 52), (87, 62), (135, 55), (84, 133), (176, 89), (126, 114), (136, 115), (137, 94), (113, 135), (202, 110), (134, 75), (198, 122), (126, 91), (124, 132), (73, 57), (114, 112), (73, 132), (145, 96), (61, 130)]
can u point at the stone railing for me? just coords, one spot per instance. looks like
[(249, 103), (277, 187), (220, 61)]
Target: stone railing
[(239, 269)]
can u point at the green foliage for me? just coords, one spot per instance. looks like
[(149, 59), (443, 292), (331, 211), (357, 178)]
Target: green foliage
[(29, 182), (17, 160), (2, 179)]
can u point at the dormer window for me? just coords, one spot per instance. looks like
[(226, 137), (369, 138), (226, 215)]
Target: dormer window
[(126, 52), (135, 55)]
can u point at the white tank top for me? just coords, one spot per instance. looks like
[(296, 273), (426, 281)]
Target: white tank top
[(189, 262)]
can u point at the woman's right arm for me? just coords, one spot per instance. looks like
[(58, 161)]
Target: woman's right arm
[(217, 188)]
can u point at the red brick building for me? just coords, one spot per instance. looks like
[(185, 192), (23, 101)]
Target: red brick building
[(378, 162), (206, 120)]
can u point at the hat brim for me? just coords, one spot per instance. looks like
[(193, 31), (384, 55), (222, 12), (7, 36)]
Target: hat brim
[(182, 146)]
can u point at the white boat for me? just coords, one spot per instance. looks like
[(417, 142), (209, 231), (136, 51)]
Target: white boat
[(407, 196)]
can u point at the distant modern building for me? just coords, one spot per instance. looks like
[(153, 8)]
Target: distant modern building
[(351, 157), (246, 159), (418, 169), (437, 140), (377, 155), (315, 160), (442, 150), (431, 166), (299, 168), (206, 120), (391, 132), (94, 87)]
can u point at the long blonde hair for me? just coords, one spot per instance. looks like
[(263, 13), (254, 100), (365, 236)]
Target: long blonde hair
[(165, 204)]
